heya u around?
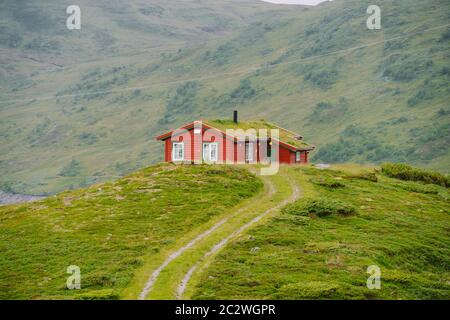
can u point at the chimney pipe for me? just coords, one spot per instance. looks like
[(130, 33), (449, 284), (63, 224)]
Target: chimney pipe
[(235, 116)]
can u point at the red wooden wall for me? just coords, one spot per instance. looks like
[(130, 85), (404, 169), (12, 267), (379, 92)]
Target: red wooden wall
[(227, 148)]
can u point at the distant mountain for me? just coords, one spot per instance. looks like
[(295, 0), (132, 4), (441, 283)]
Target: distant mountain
[(82, 106), (34, 35)]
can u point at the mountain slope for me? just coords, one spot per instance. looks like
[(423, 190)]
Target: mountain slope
[(386, 99), (34, 36)]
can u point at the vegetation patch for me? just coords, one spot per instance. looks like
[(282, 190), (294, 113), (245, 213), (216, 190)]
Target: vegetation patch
[(109, 230), (182, 102), (320, 207), (401, 67), (107, 294), (406, 172), (303, 257), (308, 290), (328, 182), (323, 77), (244, 92), (221, 55), (418, 187), (327, 111), (365, 175), (361, 143), (72, 169)]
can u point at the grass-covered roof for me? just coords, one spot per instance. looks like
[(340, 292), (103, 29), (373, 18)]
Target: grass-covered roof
[(286, 136)]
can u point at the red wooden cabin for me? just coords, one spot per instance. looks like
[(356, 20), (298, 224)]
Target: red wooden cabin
[(226, 141)]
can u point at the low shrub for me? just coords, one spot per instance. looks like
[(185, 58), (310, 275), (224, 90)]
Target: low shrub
[(327, 182), (406, 172), (418, 188), (105, 294), (369, 176), (321, 207), (72, 169), (398, 276), (308, 290)]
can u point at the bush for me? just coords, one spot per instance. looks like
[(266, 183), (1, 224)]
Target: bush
[(400, 67), (369, 176), (323, 79), (182, 102), (184, 99), (326, 111), (308, 290), (418, 188), (88, 138), (406, 172), (221, 55), (73, 169), (423, 94), (442, 113), (321, 207), (243, 93), (327, 182), (106, 294)]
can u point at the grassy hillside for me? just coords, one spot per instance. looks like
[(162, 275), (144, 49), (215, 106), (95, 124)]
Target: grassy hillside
[(109, 230), (34, 36), (386, 101), (320, 246)]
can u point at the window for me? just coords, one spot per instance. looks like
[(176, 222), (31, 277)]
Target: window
[(297, 156), (178, 151), (210, 152), (248, 152), (213, 151)]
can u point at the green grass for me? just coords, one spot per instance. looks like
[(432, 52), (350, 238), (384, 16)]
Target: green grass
[(256, 125), (398, 225), (318, 247), (386, 102), (170, 278), (405, 172), (111, 230)]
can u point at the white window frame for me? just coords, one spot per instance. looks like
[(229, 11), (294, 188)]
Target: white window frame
[(249, 152), (208, 152), (298, 156), (174, 145)]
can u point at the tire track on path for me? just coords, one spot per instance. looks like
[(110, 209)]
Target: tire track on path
[(182, 287), (154, 276)]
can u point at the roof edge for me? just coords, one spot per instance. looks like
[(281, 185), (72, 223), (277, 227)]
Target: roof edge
[(190, 125)]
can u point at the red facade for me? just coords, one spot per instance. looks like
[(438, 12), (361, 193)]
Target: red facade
[(194, 139)]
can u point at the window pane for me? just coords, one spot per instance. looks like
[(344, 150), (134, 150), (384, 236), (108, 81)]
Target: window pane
[(213, 147), (178, 152), (206, 152), (249, 152)]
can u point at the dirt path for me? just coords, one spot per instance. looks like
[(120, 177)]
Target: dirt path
[(217, 231), (182, 287), (176, 254)]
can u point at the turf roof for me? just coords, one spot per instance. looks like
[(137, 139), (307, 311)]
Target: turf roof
[(286, 136)]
